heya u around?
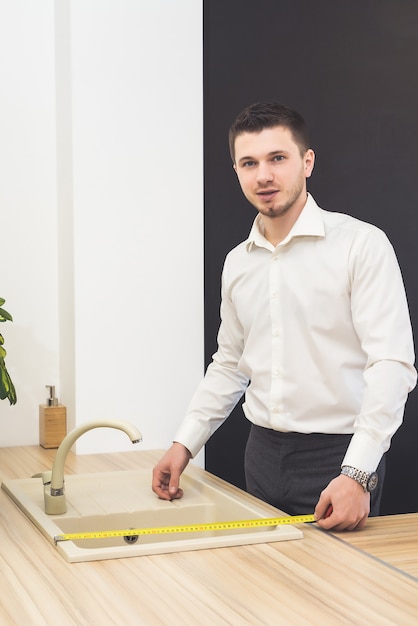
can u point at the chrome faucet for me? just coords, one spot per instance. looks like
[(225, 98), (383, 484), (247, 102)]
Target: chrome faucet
[(53, 480)]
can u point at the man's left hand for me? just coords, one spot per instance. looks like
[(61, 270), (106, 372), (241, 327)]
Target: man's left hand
[(348, 502)]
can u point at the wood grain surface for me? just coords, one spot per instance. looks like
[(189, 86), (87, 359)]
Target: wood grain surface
[(319, 579)]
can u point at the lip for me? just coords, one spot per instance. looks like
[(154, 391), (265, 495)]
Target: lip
[(267, 194)]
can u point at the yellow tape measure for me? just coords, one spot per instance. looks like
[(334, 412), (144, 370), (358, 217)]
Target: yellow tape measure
[(189, 528)]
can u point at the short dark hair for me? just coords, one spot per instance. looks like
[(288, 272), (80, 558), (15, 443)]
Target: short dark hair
[(261, 115)]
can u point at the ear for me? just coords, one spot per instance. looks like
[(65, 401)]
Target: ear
[(309, 159)]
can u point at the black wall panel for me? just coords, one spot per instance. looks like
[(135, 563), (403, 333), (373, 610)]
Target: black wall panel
[(351, 68)]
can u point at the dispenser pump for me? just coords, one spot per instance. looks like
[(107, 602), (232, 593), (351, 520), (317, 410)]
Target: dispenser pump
[(52, 400), (52, 421)]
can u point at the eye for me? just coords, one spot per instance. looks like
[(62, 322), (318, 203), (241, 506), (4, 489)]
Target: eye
[(278, 157), (248, 164)]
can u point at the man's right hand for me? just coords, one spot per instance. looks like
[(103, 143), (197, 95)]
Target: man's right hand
[(166, 474)]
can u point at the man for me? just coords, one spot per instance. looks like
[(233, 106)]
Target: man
[(315, 331)]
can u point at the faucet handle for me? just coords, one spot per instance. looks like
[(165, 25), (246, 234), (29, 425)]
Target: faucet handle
[(46, 477)]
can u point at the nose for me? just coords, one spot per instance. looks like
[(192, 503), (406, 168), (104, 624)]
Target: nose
[(264, 173)]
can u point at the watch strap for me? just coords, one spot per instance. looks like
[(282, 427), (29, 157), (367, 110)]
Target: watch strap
[(361, 477)]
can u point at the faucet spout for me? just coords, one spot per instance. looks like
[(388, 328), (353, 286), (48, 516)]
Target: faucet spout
[(54, 489)]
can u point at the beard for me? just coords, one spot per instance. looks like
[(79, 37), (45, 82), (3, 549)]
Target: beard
[(275, 211), (278, 208)]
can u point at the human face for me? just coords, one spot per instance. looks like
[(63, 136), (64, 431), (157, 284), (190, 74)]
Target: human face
[(272, 171)]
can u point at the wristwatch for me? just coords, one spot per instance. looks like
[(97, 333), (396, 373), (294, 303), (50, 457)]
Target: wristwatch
[(368, 480)]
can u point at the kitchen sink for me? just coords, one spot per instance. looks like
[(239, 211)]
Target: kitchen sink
[(112, 501)]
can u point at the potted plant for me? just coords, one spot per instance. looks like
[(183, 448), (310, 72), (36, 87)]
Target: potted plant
[(7, 388)]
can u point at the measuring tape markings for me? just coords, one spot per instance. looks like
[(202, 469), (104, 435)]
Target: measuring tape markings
[(130, 532)]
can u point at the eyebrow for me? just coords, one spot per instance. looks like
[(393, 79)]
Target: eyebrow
[(270, 154)]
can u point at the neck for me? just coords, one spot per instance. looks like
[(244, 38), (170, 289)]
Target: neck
[(277, 228)]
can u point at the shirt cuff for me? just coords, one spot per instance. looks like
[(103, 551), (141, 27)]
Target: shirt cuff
[(363, 453), (191, 438)]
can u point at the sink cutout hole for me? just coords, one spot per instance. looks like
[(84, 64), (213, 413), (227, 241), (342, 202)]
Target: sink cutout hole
[(130, 538)]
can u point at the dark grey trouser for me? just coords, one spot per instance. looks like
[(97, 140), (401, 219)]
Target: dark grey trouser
[(289, 470)]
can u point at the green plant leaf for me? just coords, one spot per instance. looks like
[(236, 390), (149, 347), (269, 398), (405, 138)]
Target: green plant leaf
[(5, 316), (7, 388)]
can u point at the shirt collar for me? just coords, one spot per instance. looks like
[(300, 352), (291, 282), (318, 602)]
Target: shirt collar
[(309, 223)]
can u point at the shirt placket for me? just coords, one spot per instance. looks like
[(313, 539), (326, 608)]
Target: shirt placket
[(276, 339)]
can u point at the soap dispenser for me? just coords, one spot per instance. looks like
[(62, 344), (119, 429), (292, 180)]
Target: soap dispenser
[(52, 421)]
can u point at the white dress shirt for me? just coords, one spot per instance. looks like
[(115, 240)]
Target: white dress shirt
[(316, 332)]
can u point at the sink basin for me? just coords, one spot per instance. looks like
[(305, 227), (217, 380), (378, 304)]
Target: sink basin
[(123, 499)]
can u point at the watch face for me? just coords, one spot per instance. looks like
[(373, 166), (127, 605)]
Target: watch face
[(372, 482)]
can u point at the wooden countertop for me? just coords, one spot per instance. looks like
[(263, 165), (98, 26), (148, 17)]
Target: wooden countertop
[(391, 538), (320, 579)]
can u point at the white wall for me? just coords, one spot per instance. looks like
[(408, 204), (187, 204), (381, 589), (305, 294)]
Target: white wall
[(121, 332), (28, 220)]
